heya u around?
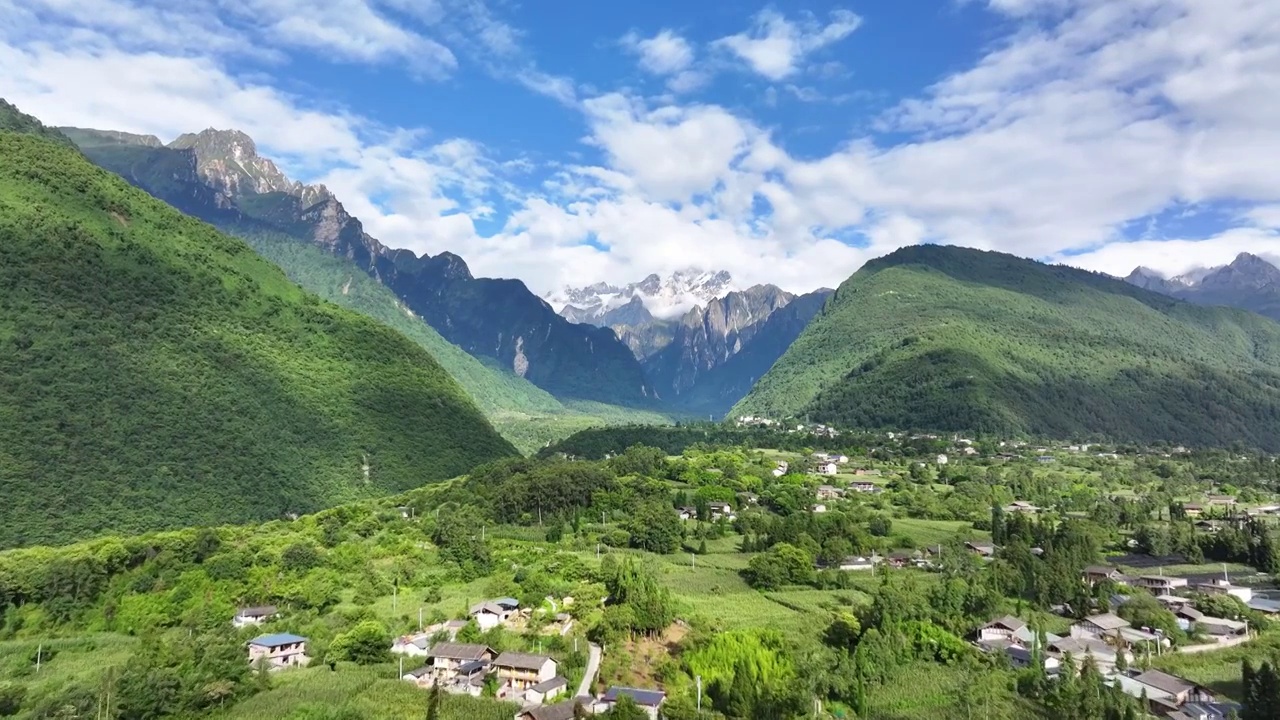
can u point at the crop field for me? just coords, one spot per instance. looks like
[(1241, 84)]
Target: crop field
[(933, 532), (363, 692)]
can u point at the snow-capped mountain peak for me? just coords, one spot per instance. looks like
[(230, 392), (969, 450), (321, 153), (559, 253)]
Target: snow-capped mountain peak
[(663, 298)]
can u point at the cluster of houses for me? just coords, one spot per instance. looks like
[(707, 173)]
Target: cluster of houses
[(1165, 587), (531, 680), (1105, 638), (715, 510)]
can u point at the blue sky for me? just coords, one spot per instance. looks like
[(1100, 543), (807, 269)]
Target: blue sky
[(567, 142)]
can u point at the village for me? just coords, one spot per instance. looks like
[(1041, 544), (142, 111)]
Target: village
[(531, 681)]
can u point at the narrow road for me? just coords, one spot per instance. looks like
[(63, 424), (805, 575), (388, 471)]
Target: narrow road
[(593, 669)]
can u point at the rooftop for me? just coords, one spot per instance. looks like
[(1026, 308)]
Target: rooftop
[(1107, 621), (253, 612), (1164, 681), (459, 651), (552, 684), (521, 661), (643, 698), (277, 640)]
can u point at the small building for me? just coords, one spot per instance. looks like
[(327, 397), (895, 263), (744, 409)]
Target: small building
[(1095, 574), (412, 645), (688, 513), (1099, 625), (1224, 587), (721, 510), (1104, 655), (447, 658), (254, 615), (1020, 657), (1222, 500), (865, 487), (865, 472), (942, 459), (829, 492), (1221, 627), (1173, 602), (423, 677), (818, 508), (1192, 509), (490, 614), (546, 691), (984, 550), (1160, 584), (1021, 506), (1206, 711), (1182, 691), (1046, 459), (826, 468), (517, 672), (1001, 628), (648, 700), (280, 650)]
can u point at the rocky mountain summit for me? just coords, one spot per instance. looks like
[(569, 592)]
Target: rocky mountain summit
[(1249, 282), (663, 298)]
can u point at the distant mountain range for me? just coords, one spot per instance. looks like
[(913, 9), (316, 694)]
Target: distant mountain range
[(952, 339), (1249, 282), (219, 176), (637, 303), (686, 328)]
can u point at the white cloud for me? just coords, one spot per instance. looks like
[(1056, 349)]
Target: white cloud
[(1172, 257), (775, 45), (663, 54), (1084, 121)]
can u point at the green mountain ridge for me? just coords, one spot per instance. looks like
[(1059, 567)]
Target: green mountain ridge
[(951, 339), (278, 224), (155, 373)]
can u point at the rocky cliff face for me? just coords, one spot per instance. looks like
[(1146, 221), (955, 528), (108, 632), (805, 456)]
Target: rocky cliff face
[(228, 160), (1249, 282), (219, 177), (707, 338)]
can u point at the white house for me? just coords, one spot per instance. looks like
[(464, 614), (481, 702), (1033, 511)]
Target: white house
[(1001, 628), (1160, 584), (412, 645), (818, 508), (546, 691), (280, 650), (827, 468), (253, 615), (942, 460), (720, 510)]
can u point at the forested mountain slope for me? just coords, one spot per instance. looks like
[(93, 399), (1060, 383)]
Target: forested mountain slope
[(218, 176), (323, 250), (156, 373), (947, 338)]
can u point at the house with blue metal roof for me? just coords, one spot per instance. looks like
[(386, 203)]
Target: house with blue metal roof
[(279, 650)]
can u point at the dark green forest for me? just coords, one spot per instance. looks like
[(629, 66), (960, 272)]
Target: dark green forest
[(951, 339), (155, 373)]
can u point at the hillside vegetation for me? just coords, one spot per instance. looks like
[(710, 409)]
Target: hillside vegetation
[(949, 339), (156, 373)]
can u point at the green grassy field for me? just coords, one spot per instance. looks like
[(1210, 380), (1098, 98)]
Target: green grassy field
[(932, 532)]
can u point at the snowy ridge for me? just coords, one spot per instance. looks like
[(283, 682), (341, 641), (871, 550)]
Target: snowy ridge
[(663, 298)]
